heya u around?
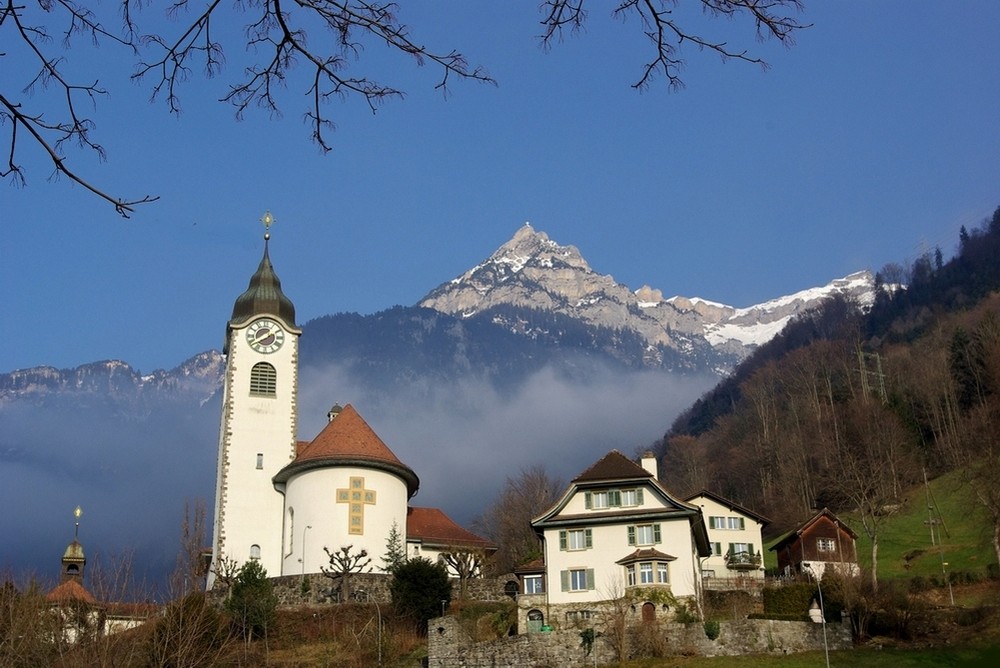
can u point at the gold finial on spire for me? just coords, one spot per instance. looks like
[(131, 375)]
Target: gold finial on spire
[(268, 221), (77, 513)]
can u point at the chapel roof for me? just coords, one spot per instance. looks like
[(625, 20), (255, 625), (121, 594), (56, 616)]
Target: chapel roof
[(432, 526), (74, 552), (70, 591), (613, 466), (263, 295), (347, 440)]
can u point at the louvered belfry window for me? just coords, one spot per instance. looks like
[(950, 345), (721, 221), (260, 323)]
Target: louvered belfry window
[(263, 380)]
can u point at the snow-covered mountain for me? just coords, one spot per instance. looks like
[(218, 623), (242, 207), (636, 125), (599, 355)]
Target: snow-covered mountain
[(532, 271)]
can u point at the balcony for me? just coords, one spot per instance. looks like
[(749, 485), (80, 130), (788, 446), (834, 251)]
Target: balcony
[(742, 561)]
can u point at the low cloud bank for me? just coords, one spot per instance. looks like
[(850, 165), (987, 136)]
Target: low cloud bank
[(463, 438)]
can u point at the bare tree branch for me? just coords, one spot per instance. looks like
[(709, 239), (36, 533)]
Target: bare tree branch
[(771, 18), (51, 136)]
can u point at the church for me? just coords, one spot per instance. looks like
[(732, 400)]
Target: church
[(281, 501)]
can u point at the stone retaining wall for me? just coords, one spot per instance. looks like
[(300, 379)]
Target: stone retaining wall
[(370, 586), (449, 646)]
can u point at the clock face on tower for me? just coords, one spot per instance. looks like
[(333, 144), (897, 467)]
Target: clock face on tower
[(265, 335)]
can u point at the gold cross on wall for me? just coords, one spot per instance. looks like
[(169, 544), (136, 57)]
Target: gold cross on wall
[(357, 497)]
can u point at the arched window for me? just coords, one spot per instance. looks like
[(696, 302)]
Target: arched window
[(290, 531), (263, 380), (255, 551)]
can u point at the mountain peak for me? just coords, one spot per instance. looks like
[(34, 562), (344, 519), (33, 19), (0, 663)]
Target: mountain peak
[(532, 271)]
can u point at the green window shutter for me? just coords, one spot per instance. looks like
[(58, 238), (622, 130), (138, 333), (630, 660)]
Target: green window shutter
[(590, 578), (588, 537), (564, 580), (615, 497), (587, 501), (638, 495), (562, 540), (656, 533), (742, 523), (732, 548), (631, 535), (750, 547)]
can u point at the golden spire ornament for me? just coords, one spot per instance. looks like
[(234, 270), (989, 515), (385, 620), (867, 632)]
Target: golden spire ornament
[(268, 220)]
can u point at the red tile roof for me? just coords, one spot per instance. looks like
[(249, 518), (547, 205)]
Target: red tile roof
[(70, 591), (431, 526), (347, 435), (347, 440)]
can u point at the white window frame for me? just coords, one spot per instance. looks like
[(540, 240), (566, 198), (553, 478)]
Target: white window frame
[(578, 579), (826, 545), (630, 498), (534, 584)]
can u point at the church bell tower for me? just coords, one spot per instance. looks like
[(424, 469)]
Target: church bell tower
[(257, 435)]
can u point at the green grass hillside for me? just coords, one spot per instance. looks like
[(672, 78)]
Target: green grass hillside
[(962, 533)]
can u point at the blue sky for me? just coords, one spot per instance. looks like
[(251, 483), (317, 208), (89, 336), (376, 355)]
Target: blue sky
[(872, 139)]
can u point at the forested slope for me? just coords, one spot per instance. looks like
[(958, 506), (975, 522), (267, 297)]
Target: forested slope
[(847, 409)]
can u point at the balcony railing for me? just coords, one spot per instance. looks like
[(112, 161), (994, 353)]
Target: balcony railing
[(743, 561)]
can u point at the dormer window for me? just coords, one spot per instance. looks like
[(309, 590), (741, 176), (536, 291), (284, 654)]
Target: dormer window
[(612, 498)]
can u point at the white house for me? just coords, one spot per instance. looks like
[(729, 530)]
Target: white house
[(615, 530), (734, 533)]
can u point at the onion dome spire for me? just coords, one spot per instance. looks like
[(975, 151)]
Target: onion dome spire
[(264, 293)]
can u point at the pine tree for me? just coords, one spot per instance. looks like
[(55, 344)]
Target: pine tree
[(395, 551)]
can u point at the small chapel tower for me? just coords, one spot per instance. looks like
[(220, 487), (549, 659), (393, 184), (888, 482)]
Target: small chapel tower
[(258, 431)]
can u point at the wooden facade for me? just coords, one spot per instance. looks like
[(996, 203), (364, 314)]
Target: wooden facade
[(821, 542)]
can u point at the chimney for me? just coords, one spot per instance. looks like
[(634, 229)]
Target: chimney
[(648, 462)]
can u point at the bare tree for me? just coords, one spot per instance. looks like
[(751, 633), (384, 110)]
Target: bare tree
[(282, 54), (189, 571), (874, 466), (507, 521), (343, 564), (467, 564)]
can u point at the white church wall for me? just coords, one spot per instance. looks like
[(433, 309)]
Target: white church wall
[(321, 517)]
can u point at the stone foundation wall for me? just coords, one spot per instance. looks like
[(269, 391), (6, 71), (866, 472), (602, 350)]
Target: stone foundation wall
[(370, 586), (449, 646)]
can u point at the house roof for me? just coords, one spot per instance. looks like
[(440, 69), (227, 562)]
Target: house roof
[(732, 505), (531, 567), (612, 466), (791, 536), (347, 440), (645, 554), (432, 527), (70, 591), (612, 470)]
